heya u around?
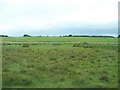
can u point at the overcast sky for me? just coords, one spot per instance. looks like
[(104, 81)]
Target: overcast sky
[(58, 17)]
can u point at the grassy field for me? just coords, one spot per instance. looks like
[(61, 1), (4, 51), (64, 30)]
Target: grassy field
[(78, 64), (59, 39)]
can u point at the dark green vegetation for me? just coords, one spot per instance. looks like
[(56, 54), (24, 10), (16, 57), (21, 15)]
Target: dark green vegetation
[(60, 62)]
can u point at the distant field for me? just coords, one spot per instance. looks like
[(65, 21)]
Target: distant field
[(60, 39), (58, 64)]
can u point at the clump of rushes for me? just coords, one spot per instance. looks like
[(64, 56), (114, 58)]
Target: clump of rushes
[(104, 78), (25, 45)]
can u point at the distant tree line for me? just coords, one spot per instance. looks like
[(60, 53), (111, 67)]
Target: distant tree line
[(26, 35), (3, 35), (70, 35), (86, 36)]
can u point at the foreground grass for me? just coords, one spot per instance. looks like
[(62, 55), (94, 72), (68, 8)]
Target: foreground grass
[(65, 66)]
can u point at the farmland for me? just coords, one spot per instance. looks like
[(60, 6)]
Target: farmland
[(60, 62)]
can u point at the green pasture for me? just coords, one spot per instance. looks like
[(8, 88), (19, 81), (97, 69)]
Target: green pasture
[(51, 65)]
